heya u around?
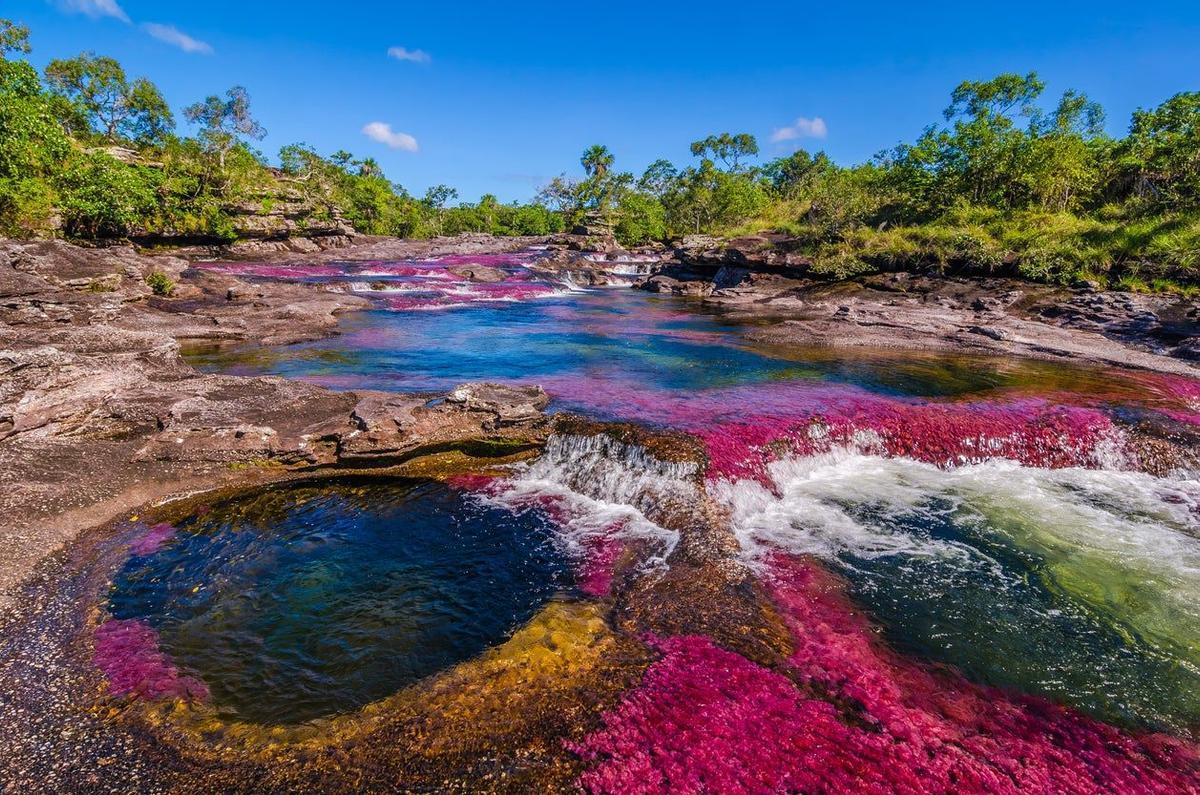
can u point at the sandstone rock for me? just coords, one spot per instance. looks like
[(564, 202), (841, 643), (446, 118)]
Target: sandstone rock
[(478, 273), (510, 405)]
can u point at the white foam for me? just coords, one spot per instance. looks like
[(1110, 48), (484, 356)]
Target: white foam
[(1126, 513), (1124, 542), (605, 487)]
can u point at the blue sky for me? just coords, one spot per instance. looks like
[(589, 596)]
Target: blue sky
[(499, 97)]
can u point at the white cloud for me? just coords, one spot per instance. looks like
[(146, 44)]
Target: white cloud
[(405, 54), (177, 38), (95, 8), (803, 128), (384, 134)]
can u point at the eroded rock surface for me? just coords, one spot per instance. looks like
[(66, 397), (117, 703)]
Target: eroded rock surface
[(98, 412), (761, 276)]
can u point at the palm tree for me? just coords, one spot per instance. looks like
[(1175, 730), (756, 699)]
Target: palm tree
[(596, 160)]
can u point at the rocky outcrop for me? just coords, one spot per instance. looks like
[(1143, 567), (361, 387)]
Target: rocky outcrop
[(764, 276), (392, 427), (98, 412)]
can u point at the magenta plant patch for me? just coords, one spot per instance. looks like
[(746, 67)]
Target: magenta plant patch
[(153, 539), (127, 651), (846, 714)]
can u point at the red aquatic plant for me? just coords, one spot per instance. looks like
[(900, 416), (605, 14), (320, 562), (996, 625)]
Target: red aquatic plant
[(153, 539), (745, 427), (846, 714), (597, 567), (1032, 432), (127, 651)]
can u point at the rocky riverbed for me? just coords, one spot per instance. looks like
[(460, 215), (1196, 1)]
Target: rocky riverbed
[(756, 277), (103, 426)]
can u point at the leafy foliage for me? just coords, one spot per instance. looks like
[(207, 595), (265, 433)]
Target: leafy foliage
[(95, 89), (160, 283), (102, 197), (1006, 181)]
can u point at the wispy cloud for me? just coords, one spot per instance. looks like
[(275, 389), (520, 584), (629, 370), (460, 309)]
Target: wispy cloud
[(405, 54), (95, 8), (384, 134), (177, 38), (803, 128)]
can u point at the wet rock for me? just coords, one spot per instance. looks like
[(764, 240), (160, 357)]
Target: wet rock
[(667, 284), (478, 273), (392, 428), (98, 411), (1188, 349), (989, 331), (511, 405)]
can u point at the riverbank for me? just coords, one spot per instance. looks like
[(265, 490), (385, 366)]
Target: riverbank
[(93, 374), (103, 419), (99, 414)]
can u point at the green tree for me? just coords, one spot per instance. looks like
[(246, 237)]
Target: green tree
[(983, 152), (641, 218), (729, 149), (13, 38), (96, 88), (789, 176), (562, 196), (602, 188), (103, 197), (225, 122), (596, 161), (32, 148), (1061, 170), (659, 179), (439, 196), (1163, 150)]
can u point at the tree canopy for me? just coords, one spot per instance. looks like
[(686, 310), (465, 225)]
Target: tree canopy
[(1008, 177)]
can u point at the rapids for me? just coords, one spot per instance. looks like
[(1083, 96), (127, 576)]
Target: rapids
[(973, 558)]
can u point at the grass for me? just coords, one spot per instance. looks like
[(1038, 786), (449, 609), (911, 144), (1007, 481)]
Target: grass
[(1115, 247)]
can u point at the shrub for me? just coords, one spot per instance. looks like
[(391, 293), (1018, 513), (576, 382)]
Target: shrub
[(103, 197), (160, 283), (640, 219), (26, 207)]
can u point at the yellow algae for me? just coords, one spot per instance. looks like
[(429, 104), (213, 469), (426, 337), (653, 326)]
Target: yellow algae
[(563, 642)]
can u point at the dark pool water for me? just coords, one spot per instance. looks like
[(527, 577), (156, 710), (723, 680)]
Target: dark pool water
[(302, 602)]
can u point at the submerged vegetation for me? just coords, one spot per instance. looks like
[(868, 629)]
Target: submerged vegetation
[(1006, 183)]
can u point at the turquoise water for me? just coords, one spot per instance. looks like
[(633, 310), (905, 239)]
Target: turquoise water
[(586, 348)]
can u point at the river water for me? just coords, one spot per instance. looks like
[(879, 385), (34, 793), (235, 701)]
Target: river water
[(991, 517)]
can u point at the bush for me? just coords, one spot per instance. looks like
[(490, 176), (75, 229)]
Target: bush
[(103, 197), (160, 283), (640, 219), (26, 207)]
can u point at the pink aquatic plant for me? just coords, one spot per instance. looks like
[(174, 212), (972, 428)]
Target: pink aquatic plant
[(745, 427), (472, 481), (153, 539), (1032, 432), (597, 566), (847, 714), (127, 651)]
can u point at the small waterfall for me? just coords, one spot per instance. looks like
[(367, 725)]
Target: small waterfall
[(598, 488)]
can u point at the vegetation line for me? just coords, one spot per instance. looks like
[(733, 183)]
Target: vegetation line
[(1005, 183)]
